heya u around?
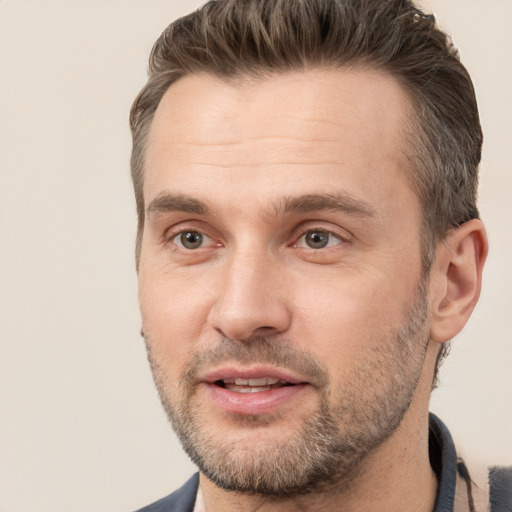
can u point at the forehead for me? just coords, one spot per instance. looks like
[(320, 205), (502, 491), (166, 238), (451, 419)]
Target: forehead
[(315, 128)]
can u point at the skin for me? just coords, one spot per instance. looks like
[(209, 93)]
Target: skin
[(222, 160)]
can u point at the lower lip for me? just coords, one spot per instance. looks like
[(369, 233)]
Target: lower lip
[(261, 402)]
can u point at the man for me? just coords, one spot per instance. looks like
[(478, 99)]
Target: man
[(308, 243)]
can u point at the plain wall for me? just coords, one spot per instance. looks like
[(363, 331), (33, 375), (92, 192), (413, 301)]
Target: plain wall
[(81, 428)]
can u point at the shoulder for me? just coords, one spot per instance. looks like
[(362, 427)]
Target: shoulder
[(495, 495), (500, 489), (458, 490), (181, 500)]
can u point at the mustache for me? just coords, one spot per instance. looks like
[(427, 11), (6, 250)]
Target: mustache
[(258, 349)]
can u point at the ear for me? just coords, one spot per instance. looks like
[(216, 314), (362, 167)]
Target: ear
[(456, 279)]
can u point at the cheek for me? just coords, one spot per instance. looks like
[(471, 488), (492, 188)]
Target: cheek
[(174, 315), (345, 317), (172, 296)]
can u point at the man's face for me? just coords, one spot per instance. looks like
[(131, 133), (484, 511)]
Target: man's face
[(280, 274)]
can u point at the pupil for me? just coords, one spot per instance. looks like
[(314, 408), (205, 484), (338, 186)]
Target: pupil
[(191, 239), (317, 239)]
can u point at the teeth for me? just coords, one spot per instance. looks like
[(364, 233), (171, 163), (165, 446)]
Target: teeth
[(252, 385), (262, 381), (247, 389)]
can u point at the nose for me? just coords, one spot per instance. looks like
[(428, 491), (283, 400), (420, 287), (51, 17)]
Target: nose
[(251, 300)]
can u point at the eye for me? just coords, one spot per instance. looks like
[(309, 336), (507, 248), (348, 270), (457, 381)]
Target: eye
[(318, 239), (191, 239)]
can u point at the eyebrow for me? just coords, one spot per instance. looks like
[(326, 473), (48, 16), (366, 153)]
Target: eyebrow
[(308, 203), (338, 202), (164, 203)]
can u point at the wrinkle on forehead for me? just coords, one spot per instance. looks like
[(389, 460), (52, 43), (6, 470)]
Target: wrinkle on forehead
[(302, 99)]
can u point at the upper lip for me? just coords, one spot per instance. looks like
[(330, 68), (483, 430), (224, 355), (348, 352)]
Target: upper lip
[(253, 372)]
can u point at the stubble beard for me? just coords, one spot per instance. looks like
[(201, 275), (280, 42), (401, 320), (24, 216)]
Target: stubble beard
[(326, 449)]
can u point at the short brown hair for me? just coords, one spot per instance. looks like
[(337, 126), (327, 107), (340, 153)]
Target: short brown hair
[(240, 38)]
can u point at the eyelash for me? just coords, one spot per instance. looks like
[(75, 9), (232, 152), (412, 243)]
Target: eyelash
[(332, 233), (170, 237)]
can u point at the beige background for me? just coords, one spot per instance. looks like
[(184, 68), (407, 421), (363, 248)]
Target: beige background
[(80, 425)]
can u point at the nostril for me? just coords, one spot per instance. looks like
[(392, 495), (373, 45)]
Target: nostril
[(243, 318)]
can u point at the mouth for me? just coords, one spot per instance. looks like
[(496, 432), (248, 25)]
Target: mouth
[(255, 390)]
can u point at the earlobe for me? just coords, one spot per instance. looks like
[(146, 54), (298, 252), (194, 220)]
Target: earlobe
[(456, 279)]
